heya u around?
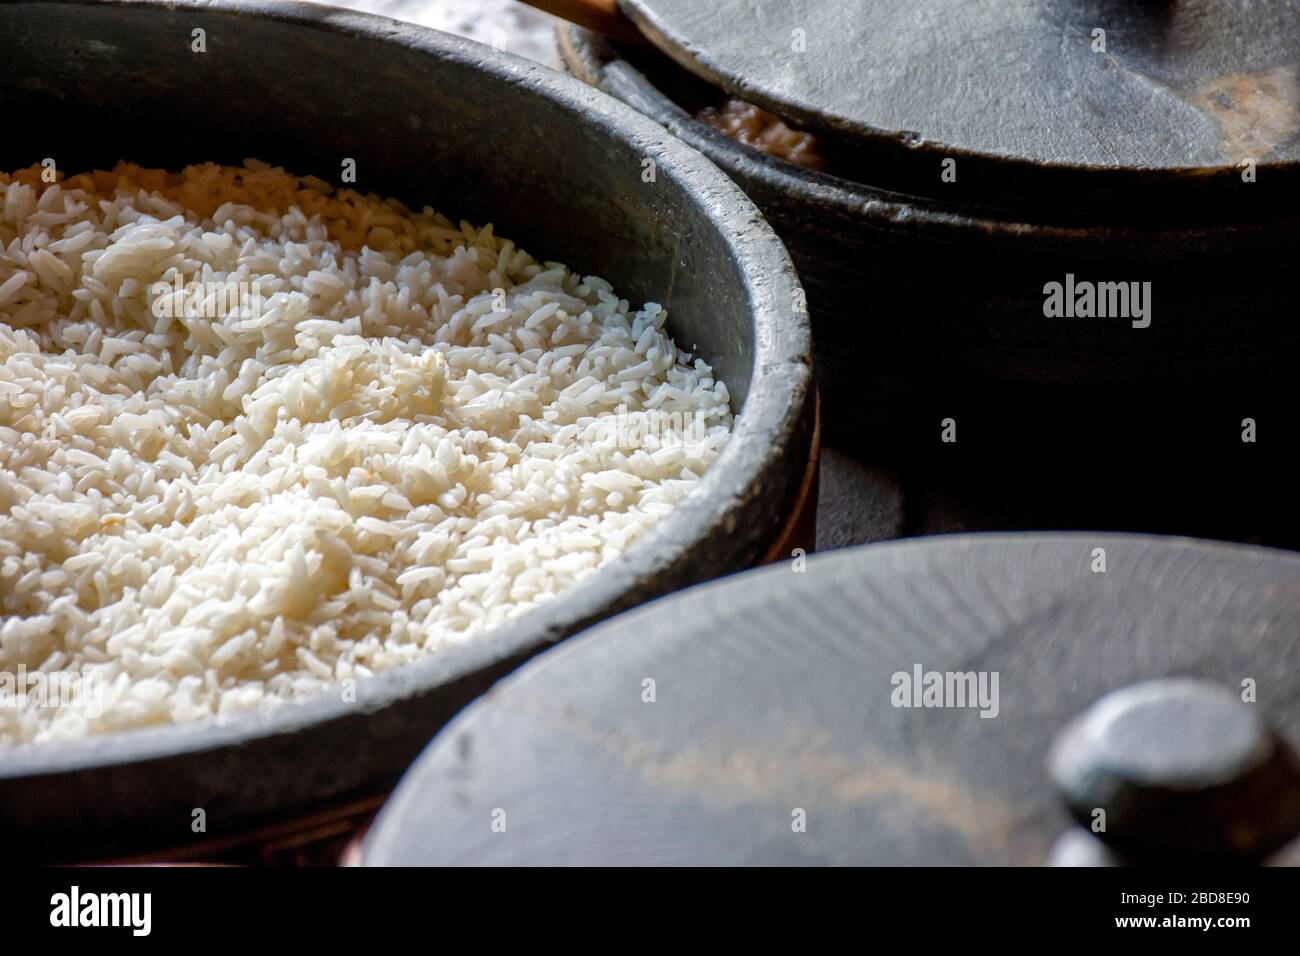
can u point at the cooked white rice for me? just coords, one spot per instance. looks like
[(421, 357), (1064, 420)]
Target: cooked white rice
[(389, 457)]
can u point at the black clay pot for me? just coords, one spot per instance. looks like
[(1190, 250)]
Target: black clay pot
[(477, 134), (702, 729), (918, 293)]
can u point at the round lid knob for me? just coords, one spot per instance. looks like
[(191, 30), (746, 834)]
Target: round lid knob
[(1179, 768)]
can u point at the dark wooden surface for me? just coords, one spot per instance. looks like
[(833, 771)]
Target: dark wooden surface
[(773, 694), (1181, 85), (1160, 461)]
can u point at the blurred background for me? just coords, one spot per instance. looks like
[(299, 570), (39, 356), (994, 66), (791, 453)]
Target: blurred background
[(504, 24)]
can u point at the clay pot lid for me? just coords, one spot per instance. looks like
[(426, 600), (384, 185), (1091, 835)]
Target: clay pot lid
[(777, 692), (1178, 89)]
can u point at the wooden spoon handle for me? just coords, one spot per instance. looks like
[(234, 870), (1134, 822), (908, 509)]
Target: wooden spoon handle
[(602, 16)]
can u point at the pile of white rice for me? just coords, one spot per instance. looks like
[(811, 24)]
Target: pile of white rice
[(418, 433)]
